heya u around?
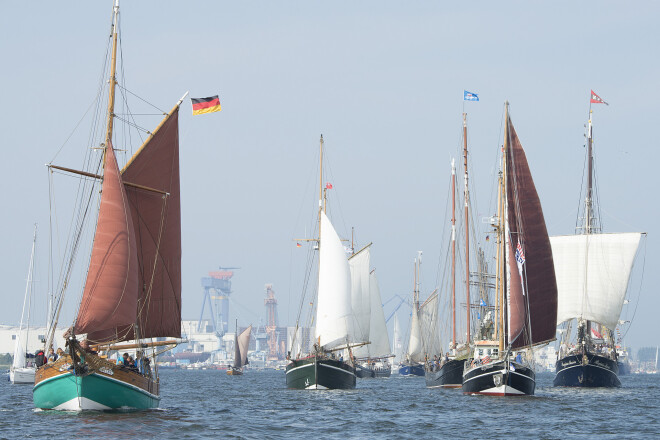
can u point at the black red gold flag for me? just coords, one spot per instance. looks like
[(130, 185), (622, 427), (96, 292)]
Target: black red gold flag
[(205, 105)]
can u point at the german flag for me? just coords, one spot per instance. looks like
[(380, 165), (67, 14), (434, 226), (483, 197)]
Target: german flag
[(205, 105)]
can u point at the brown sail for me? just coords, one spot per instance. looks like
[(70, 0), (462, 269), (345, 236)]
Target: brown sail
[(109, 302), (527, 227), (242, 343), (157, 223)]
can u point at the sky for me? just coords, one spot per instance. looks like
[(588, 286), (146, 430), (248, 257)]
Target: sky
[(383, 82)]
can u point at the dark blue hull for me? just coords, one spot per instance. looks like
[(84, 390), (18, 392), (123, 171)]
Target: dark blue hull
[(450, 375), (589, 371), (411, 370), (319, 374), (363, 372)]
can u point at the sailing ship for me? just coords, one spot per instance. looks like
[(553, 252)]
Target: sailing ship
[(132, 291), (413, 362), (371, 359), (325, 366), (241, 344), (526, 288), (593, 269), (21, 370), (447, 370)]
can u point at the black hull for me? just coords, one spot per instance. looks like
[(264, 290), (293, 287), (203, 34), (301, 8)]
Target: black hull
[(596, 371), (500, 378), (363, 372), (319, 374), (450, 375)]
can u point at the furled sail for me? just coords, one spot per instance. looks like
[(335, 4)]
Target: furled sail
[(592, 275), (109, 303), (428, 320), (157, 224), (360, 299), (333, 308), (527, 228)]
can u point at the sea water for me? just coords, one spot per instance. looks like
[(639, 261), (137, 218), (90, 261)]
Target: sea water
[(208, 404)]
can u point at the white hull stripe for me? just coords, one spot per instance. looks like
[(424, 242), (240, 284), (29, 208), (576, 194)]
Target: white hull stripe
[(500, 372), (588, 365), (79, 404), (320, 365), (298, 368), (316, 387)]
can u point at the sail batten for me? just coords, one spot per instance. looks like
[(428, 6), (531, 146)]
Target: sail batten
[(593, 272)]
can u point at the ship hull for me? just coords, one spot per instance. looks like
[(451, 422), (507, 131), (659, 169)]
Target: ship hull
[(103, 386), (501, 378), (450, 375), (234, 372), (596, 371), (320, 374), (411, 370), (23, 375), (363, 372)]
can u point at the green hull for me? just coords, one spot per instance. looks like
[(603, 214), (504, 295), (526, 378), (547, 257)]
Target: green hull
[(95, 392)]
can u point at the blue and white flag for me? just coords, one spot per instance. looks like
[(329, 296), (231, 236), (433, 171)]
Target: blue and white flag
[(520, 260), (469, 96), (483, 303)]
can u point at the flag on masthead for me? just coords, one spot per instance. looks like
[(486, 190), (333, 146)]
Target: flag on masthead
[(595, 99), (205, 105)]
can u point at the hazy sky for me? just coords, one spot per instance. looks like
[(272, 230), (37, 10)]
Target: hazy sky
[(383, 81)]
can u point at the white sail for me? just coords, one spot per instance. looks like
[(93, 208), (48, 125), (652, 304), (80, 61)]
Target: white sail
[(397, 344), (428, 323), (243, 342), (380, 340), (415, 349), (592, 275), (21, 338), (360, 298), (333, 307)]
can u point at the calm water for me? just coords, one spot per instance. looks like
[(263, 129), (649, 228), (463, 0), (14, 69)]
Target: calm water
[(209, 404)]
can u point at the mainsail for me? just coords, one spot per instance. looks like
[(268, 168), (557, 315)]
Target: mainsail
[(109, 303), (241, 344), (380, 341), (333, 308), (157, 224), (415, 349), (528, 241), (359, 264), (593, 271), (428, 322)]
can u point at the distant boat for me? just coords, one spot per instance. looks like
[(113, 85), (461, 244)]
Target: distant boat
[(373, 357), (324, 366), (593, 269), (412, 362), (525, 284), (132, 290), (21, 370), (241, 344), (446, 371)]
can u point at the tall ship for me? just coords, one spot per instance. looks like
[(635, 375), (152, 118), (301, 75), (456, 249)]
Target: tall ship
[(372, 360), (412, 363), (330, 364), (593, 270), (131, 295), (526, 289), (446, 370)]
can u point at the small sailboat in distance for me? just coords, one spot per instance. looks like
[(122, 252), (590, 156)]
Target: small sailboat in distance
[(241, 344), (21, 371)]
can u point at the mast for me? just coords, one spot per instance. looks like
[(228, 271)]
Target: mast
[(113, 75), (453, 254), (467, 229), (503, 231)]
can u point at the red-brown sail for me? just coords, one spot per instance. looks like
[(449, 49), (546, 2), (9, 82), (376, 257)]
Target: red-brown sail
[(527, 227), (109, 304), (157, 222)]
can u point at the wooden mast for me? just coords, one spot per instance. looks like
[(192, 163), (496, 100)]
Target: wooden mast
[(453, 254), (321, 209), (503, 231), (588, 199), (499, 326), (467, 229), (113, 76)]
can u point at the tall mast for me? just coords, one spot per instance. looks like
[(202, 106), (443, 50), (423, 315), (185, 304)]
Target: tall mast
[(453, 254), (499, 325), (589, 198), (503, 231), (320, 184), (467, 229), (113, 74)]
